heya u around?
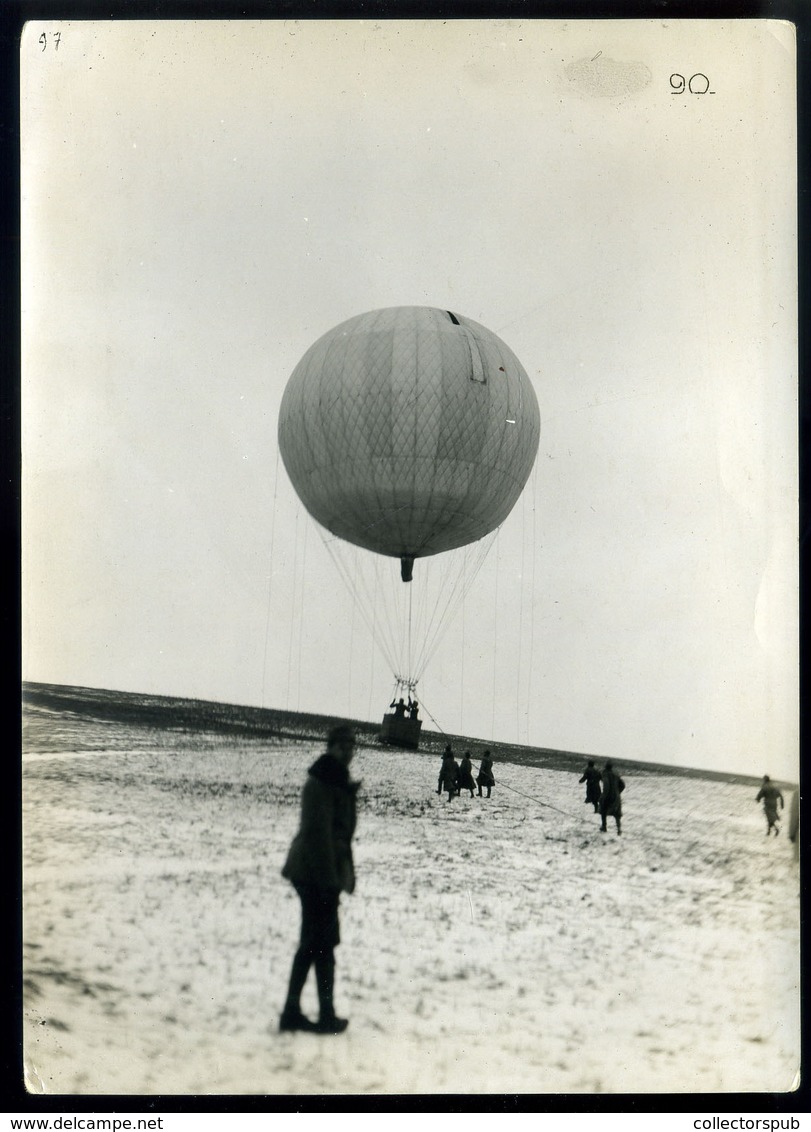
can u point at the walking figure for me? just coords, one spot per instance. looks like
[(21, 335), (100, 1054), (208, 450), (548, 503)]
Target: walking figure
[(591, 777), (611, 798), (770, 796), (485, 775)]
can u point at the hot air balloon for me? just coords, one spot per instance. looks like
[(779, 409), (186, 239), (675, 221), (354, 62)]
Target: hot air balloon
[(409, 432)]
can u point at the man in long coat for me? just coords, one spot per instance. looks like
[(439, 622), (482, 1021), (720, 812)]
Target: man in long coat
[(464, 780), (448, 774), (485, 777), (591, 777), (611, 798), (319, 865)]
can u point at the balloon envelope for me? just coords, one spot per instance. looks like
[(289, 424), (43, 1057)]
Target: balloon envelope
[(409, 431)]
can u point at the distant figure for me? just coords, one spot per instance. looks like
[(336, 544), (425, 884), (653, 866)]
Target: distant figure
[(413, 709), (485, 775), (448, 774), (770, 796), (465, 779), (448, 752), (319, 865), (399, 708), (794, 823), (611, 798), (591, 777)]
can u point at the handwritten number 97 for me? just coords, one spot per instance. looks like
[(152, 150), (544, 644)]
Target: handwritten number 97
[(57, 36), (696, 84)]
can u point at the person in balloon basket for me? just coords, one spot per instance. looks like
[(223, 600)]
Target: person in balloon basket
[(611, 786), (448, 774), (485, 775), (320, 867), (770, 796), (591, 777)]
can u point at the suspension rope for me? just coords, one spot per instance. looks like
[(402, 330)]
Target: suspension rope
[(455, 587), (532, 798), (534, 591), (495, 654), (427, 712), (270, 576), (382, 636), (372, 650), (301, 604), (462, 662), (292, 619), (520, 617), (410, 604)]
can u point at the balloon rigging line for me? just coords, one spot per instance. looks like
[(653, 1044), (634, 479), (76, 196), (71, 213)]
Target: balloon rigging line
[(427, 712), (532, 798), (348, 580), (420, 624), (292, 619), (456, 592), (461, 585), (520, 618), (372, 658), (462, 658), (410, 603), (532, 604), (458, 586), (495, 653), (270, 575), (301, 617)]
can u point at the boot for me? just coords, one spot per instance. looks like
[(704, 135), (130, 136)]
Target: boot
[(328, 1022), (292, 1018)]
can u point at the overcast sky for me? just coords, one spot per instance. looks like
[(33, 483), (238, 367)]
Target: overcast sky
[(202, 200)]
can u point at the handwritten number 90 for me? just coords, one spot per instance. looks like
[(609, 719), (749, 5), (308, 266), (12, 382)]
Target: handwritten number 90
[(696, 84)]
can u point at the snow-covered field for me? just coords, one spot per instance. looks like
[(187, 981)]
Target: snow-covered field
[(500, 946)]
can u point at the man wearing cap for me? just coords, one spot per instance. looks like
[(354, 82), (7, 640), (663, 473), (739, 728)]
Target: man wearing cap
[(319, 866)]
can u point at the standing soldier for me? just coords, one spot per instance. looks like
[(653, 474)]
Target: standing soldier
[(591, 777), (770, 796), (319, 866), (485, 775), (611, 798), (465, 779), (448, 774)]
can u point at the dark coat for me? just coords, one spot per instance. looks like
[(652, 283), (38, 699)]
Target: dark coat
[(448, 774), (611, 800), (465, 779), (485, 775), (321, 852), (770, 795), (591, 777)]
